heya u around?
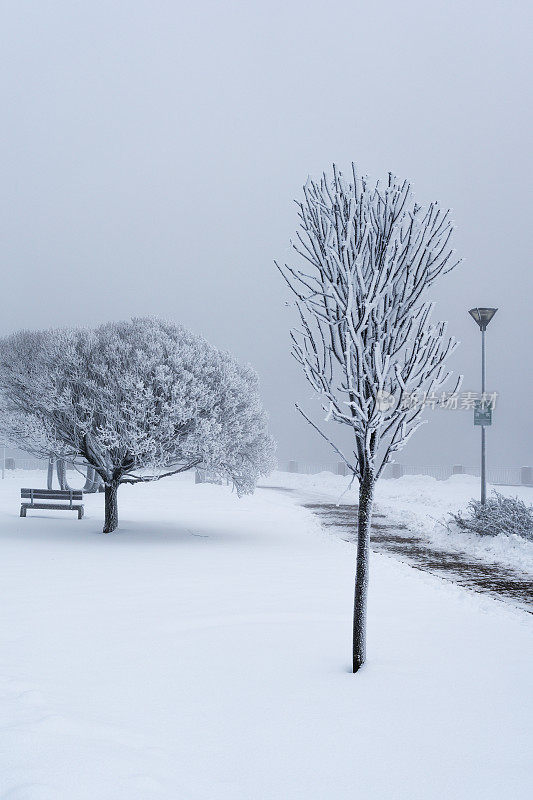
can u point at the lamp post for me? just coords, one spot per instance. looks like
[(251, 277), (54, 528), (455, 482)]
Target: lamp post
[(483, 316)]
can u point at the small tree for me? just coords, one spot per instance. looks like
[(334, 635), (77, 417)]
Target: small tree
[(366, 343), (137, 401)]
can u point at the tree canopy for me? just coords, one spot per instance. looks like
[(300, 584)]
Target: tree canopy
[(136, 400)]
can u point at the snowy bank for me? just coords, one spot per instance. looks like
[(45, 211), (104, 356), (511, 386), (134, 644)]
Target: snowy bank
[(423, 504), (202, 652)]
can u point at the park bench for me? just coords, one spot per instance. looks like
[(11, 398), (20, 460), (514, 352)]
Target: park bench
[(52, 494)]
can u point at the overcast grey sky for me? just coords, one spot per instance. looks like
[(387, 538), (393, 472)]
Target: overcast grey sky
[(152, 151)]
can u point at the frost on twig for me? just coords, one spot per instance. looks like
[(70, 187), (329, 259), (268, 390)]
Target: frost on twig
[(366, 256)]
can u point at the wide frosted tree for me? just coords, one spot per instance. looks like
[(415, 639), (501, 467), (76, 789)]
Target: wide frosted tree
[(366, 256), (136, 401)]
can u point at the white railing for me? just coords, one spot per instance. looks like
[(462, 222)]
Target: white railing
[(502, 476), (25, 463)]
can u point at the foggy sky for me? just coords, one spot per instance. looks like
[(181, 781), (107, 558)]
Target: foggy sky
[(152, 152)]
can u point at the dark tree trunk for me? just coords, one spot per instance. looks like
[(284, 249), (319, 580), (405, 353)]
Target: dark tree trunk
[(111, 507), (50, 475), (366, 498)]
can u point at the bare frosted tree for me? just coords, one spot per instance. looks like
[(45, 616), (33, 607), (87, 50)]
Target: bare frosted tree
[(367, 254)]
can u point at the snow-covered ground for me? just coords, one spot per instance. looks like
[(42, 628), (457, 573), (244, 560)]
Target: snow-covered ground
[(202, 653), (423, 504)]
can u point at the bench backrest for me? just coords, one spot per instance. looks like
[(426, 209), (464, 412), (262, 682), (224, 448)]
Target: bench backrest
[(52, 494)]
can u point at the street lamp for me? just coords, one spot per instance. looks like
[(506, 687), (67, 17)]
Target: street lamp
[(482, 316)]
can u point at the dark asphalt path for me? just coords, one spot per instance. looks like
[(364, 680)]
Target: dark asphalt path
[(397, 540)]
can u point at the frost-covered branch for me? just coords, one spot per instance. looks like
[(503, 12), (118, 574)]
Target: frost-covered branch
[(365, 332)]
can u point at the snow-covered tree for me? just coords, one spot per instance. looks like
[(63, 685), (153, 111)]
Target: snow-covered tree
[(137, 401), (366, 256)]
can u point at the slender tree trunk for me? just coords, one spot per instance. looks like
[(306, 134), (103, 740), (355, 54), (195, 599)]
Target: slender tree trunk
[(111, 507), (89, 480), (50, 475), (366, 498), (92, 482), (61, 468)]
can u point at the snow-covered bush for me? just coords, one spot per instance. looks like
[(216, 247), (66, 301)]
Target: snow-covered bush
[(137, 401), (499, 514)]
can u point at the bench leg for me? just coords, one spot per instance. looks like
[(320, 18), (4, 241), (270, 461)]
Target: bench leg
[(22, 510), (80, 513)]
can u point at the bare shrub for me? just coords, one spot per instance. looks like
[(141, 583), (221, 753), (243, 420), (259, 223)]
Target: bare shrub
[(500, 514)]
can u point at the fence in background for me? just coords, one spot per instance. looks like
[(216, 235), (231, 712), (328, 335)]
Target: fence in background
[(499, 476), (25, 463)]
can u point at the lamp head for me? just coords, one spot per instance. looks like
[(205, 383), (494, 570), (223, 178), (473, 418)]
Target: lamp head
[(482, 316)]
